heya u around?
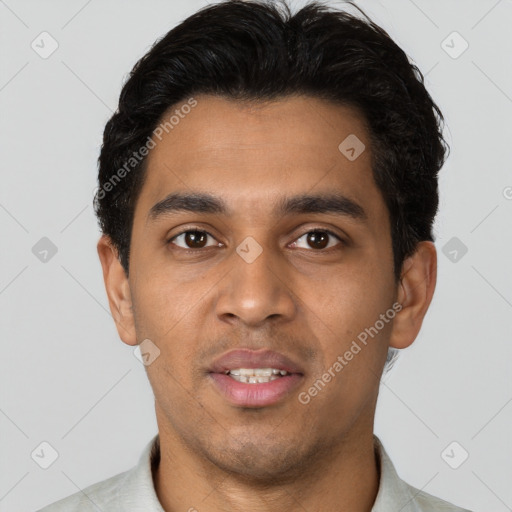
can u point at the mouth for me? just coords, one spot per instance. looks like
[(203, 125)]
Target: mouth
[(247, 378), (256, 375)]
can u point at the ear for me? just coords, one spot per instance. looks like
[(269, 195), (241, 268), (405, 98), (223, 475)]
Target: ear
[(415, 291), (118, 290)]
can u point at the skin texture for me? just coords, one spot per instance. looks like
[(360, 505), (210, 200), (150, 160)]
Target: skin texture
[(306, 302)]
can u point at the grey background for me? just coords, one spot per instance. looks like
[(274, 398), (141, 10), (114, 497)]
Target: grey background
[(67, 379)]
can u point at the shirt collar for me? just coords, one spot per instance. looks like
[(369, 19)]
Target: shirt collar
[(393, 494), (137, 491)]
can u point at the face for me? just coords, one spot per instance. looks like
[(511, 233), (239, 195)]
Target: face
[(255, 268)]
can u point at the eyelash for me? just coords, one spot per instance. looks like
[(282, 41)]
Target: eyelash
[(314, 230)]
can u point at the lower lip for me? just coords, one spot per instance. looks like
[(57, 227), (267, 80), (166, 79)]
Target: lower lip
[(255, 395)]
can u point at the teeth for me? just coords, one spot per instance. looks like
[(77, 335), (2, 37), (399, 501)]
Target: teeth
[(255, 375), (263, 372), (253, 379), (255, 372)]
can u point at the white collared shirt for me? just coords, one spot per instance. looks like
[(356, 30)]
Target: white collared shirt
[(134, 491)]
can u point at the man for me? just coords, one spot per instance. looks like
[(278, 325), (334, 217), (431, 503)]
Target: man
[(267, 190)]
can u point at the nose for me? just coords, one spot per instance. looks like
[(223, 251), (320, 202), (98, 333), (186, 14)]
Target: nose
[(257, 290)]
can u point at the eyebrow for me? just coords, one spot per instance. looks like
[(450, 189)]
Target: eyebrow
[(336, 204)]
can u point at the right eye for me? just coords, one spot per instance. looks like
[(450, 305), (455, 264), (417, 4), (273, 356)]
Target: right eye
[(191, 239)]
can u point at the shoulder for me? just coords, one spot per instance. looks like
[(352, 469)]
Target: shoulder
[(99, 496), (130, 490), (396, 494), (428, 503)]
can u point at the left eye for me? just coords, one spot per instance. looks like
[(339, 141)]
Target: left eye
[(196, 239), (317, 239)]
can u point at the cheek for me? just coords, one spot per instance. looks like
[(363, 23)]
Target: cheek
[(167, 312), (162, 304), (353, 355), (348, 301), (348, 311)]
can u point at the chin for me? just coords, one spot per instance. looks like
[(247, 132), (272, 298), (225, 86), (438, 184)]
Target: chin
[(262, 463)]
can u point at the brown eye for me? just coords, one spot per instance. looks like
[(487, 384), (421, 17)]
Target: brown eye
[(317, 239), (192, 239), (195, 239)]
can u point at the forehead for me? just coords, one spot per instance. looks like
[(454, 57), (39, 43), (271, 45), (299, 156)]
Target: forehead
[(253, 154)]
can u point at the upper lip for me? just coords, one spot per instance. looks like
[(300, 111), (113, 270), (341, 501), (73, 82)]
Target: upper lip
[(246, 358)]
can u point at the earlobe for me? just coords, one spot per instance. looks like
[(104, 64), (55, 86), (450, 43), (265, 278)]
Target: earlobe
[(415, 291), (118, 290)]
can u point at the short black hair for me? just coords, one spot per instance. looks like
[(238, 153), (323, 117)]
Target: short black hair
[(260, 50)]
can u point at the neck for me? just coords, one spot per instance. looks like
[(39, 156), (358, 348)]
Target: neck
[(350, 477)]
